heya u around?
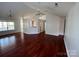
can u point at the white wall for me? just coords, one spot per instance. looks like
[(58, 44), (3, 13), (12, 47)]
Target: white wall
[(54, 24), (18, 24), (72, 31), (61, 25)]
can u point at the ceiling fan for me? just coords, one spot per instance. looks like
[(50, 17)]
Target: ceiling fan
[(10, 16)]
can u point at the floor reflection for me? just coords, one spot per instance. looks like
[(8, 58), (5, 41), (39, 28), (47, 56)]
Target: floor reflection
[(7, 43), (22, 37)]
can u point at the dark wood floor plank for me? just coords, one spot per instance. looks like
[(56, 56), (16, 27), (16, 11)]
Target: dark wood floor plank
[(40, 45)]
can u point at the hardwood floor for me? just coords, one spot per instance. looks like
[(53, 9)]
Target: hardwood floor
[(23, 45)]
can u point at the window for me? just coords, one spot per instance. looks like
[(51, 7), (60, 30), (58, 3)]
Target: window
[(0, 26), (5, 26), (10, 25)]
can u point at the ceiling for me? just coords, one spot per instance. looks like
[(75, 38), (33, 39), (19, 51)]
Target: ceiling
[(24, 8)]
